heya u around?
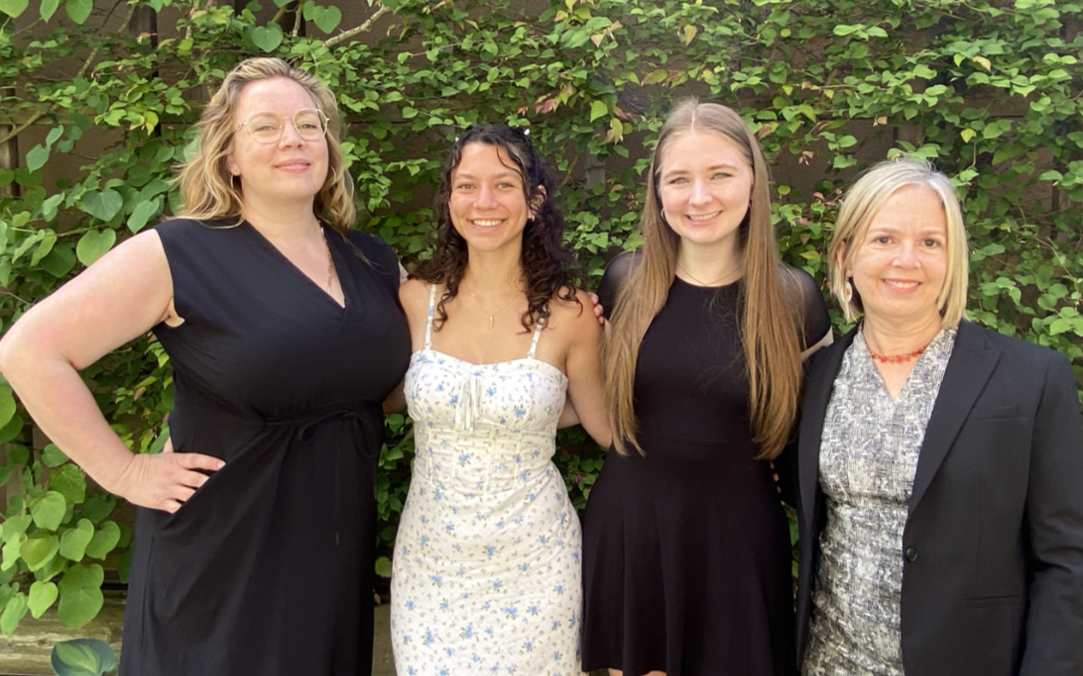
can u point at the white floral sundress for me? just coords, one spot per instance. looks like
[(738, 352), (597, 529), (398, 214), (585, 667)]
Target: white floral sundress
[(486, 575)]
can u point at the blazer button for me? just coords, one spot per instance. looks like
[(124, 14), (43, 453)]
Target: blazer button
[(911, 554)]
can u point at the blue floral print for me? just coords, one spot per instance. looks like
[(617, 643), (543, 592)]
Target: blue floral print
[(487, 560)]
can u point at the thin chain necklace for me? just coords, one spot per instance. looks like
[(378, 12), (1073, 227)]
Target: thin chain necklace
[(330, 262), (492, 315), (697, 280)]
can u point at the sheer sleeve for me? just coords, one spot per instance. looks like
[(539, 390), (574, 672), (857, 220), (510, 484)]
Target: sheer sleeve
[(616, 274), (815, 320)]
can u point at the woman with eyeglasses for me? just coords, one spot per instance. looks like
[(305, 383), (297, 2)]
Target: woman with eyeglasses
[(254, 540)]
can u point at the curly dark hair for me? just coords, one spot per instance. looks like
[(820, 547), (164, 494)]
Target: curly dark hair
[(549, 270)]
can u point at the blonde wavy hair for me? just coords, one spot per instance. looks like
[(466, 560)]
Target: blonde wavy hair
[(206, 186), (769, 323), (865, 199)]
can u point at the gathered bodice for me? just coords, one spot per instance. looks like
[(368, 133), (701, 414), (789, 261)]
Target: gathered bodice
[(483, 427), (486, 570)]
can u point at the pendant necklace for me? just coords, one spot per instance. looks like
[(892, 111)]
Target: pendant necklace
[(492, 315)]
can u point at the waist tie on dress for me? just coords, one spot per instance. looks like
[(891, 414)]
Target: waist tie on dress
[(307, 423)]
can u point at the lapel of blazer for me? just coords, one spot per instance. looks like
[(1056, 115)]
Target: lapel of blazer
[(969, 367), (817, 395)]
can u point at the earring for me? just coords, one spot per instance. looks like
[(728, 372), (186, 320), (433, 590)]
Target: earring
[(664, 217), (848, 291)]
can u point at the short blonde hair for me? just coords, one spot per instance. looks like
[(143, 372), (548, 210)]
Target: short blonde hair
[(206, 186), (861, 204)]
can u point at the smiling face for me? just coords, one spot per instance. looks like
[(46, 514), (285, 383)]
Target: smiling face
[(487, 205), (288, 170), (705, 184), (901, 262)]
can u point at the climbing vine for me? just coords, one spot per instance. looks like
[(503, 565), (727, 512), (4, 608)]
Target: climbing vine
[(989, 90)]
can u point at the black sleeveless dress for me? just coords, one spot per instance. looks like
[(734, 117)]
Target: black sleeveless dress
[(268, 568), (686, 550)]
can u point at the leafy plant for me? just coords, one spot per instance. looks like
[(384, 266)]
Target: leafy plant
[(987, 89), (83, 657)]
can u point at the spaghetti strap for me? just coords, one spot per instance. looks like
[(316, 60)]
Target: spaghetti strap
[(534, 341), (428, 321)]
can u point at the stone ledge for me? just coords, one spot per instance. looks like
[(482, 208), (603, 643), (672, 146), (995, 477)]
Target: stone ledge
[(27, 652)]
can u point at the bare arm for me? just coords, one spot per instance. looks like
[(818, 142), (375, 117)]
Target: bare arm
[(586, 386), (828, 338), (568, 416), (396, 401), (114, 301), (414, 296)]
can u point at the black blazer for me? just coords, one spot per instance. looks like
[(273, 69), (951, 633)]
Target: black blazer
[(993, 546)]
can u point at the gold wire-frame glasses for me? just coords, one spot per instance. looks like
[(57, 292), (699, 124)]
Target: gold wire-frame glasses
[(267, 127)]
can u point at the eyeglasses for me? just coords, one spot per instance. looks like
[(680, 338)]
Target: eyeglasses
[(310, 124)]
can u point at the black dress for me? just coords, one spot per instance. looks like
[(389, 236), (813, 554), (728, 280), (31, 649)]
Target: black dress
[(267, 569), (686, 564)]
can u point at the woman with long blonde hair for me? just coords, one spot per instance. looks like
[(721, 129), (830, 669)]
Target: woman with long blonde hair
[(686, 547), (254, 536)]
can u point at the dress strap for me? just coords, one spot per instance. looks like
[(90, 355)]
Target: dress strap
[(534, 341), (428, 321)]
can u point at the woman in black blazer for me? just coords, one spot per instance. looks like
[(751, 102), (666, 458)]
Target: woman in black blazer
[(941, 464)]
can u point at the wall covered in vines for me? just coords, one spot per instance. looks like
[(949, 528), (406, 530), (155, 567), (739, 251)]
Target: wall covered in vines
[(97, 99)]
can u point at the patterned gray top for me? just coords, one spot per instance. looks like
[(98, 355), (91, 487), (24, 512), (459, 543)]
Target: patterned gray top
[(868, 457)]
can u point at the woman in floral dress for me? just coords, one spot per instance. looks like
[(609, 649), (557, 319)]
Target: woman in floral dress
[(487, 559)]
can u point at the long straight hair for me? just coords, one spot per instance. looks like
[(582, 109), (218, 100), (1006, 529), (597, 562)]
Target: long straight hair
[(769, 319)]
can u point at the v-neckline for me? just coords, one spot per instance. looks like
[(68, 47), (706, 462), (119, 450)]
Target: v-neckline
[(335, 261)]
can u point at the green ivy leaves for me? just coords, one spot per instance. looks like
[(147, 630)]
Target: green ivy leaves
[(598, 109), (325, 18), (39, 551), (14, 8), (104, 541), (142, 213), (267, 38), (79, 10), (74, 542), (42, 596), (593, 82), (102, 205), (48, 8), (48, 510), (80, 594), (94, 244), (13, 612)]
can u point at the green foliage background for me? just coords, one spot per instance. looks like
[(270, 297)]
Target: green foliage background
[(988, 89)]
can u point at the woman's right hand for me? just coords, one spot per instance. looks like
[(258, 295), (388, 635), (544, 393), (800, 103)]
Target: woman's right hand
[(166, 480)]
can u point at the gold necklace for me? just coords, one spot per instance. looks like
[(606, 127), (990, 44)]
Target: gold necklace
[(697, 280), (330, 261), (492, 315)]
